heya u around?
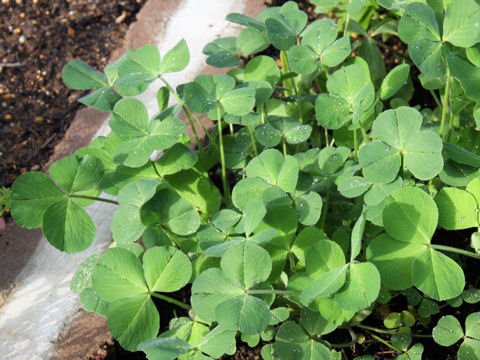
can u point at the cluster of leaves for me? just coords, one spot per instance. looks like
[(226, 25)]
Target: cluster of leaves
[(338, 186)]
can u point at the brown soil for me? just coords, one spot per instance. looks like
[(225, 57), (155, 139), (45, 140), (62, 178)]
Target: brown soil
[(37, 38)]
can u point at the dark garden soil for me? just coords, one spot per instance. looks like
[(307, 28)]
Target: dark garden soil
[(37, 38)]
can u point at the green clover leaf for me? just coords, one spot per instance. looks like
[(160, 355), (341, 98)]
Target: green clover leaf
[(275, 169), (419, 28), (130, 119), (126, 225), (401, 130), (350, 92), (120, 279), (293, 342), (318, 46), (168, 208), (222, 294), (404, 255), (271, 133), (38, 202)]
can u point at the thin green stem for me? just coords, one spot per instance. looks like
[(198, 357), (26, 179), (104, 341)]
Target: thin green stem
[(389, 332), (172, 237), (326, 137), (404, 167), (364, 135), (422, 336), (347, 20), (254, 143), (287, 83), (435, 98), (326, 205), (86, 197), (327, 73), (268, 291), (291, 261), (455, 250), (205, 130), (450, 127), (284, 146), (382, 331), (171, 300), (299, 98), (226, 189), (445, 104), (230, 126), (355, 144), (194, 131), (263, 113), (156, 170), (385, 343)]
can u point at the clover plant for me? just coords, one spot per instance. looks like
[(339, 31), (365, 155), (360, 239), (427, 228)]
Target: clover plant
[(319, 194)]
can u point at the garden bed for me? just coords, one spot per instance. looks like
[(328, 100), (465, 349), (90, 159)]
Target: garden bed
[(39, 37), (379, 320)]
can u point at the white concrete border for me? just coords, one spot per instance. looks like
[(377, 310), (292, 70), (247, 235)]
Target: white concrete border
[(42, 303)]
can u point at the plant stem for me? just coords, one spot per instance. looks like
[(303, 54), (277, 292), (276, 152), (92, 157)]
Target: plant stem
[(252, 138), (287, 83), (194, 131), (325, 206), (86, 197), (364, 135), (450, 127), (205, 130), (326, 137), (171, 300), (284, 145), (291, 261), (455, 250), (226, 189), (327, 73), (268, 291), (299, 98), (172, 237), (385, 343), (347, 20), (382, 331), (422, 336), (355, 145), (435, 98), (390, 332), (263, 113), (156, 170), (445, 103)]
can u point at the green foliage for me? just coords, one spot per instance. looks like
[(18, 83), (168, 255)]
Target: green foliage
[(448, 331), (317, 197), (5, 195)]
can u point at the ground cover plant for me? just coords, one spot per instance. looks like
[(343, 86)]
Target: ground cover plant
[(324, 202)]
